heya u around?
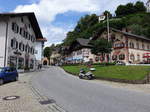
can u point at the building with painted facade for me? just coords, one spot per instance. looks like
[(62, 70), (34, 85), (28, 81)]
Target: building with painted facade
[(18, 35), (127, 47)]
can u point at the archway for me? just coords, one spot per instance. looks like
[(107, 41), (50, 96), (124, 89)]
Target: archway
[(45, 62)]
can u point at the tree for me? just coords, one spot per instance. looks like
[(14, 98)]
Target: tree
[(47, 52), (101, 46), (139, 7), (127, 9), (82, 29), (121, 10), (130, 8), (109, 14)]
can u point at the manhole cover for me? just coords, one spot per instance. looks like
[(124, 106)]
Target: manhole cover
[(11, 97), (49, 101)]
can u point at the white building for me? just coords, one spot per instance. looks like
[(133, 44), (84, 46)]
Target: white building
[(18, 35), (81, 51), (148, 6), (39, 50)]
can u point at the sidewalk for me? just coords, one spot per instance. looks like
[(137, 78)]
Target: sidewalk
[(28, 100)]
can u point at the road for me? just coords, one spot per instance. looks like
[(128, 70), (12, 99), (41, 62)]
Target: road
[(76, 95)]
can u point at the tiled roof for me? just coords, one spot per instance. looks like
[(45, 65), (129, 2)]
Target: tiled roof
[(84, 42), (124, 33), (131, 35)]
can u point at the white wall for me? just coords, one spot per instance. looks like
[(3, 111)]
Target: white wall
[(38, 48), (2, 42)]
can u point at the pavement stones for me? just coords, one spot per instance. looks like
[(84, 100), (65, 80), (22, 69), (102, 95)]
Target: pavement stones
[(29, 98)]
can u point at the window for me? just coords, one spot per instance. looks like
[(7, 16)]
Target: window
[(22, 20), (21, 31), (137, 45), (131, 45), (29, 26), (121, 57), (14, 44), (119, 45), (147, 47), (15, 27), (24, 34), (20, 45), (132, 57), (114, 57), (26, 48), (23, 47), (143, 46), (138, 57), (97, 58)]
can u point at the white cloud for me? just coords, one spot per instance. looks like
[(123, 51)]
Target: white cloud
[(54, 34), (46, 11)]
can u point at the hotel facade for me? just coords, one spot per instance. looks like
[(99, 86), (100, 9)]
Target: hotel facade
[(18, 35)]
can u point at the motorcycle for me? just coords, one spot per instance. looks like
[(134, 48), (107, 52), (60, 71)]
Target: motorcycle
[(83, 75)]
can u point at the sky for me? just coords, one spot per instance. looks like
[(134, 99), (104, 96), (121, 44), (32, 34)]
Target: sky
[(57, 17)]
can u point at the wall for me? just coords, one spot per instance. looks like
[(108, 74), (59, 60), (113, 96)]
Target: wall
[(2, 41), (38, 48), (11, 34)]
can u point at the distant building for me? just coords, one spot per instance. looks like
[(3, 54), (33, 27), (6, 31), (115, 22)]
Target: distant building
[(55, 57), (80, 52), (19, 32), (148, 6)]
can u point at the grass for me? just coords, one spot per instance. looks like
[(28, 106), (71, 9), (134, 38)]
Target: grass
[(116, 72)]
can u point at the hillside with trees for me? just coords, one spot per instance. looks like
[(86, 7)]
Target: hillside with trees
[(131, 16)]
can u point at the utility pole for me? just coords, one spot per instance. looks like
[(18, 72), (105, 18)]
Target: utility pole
[(108, 27)]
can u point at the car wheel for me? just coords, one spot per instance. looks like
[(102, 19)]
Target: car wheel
[(16, 78), (1, 81)]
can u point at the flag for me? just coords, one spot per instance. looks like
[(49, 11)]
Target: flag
[(102, 17)]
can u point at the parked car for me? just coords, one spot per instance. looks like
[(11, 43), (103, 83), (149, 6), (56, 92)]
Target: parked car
[(8, 74)]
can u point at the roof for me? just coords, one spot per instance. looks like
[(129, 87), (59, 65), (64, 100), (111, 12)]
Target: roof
[(84, 42), (131, 35), (32, 19), (124, 33), (41, 39)]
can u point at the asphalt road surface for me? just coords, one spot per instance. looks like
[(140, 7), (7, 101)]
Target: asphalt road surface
[(76, 95)]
